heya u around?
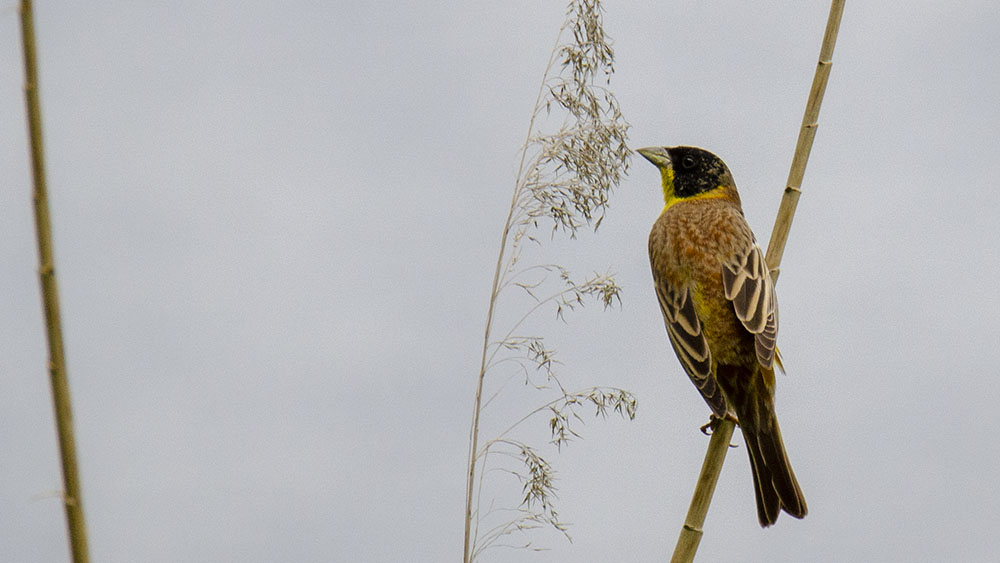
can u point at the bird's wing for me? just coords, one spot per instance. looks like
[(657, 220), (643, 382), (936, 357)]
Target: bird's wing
[(688, 340), (747, 283)]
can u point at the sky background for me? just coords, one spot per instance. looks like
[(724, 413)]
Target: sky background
[(275, 231)]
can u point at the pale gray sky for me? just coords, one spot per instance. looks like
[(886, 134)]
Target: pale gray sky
[(275, 227)]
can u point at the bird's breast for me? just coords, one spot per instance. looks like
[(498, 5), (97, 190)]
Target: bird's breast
[(687, 247)]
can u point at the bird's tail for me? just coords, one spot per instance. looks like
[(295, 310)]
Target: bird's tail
[(774, 481)]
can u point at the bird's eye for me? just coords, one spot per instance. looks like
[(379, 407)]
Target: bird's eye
[(688, 162)]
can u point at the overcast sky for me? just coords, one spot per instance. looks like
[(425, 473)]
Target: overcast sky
[(275, 228)]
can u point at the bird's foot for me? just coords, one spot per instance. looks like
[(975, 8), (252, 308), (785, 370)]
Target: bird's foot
[(714, 421)]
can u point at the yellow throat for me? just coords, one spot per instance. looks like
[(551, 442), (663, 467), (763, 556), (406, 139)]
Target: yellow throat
[(670, 197)]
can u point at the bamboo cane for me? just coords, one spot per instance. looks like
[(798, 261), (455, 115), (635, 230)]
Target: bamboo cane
[(50, 299), (691, 532)]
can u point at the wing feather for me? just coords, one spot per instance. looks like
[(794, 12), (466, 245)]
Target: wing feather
[(689, 342), (747, 283)]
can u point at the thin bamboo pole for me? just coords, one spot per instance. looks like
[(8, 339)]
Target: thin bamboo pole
[(50, 298), (691, 532), (807, 132)]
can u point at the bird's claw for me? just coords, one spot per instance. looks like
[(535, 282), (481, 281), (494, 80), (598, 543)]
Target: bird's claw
[(709, 426), (713, 422)]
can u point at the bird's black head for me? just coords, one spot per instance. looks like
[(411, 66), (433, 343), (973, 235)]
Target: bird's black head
[(697, 171), (689, 171)]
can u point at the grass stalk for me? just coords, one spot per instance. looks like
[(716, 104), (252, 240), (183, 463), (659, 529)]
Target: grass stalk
[(501, 264), (565, 176), (691, 532), (50, 299)]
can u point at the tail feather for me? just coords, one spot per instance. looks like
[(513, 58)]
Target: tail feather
[(768, 502), (775, 485)]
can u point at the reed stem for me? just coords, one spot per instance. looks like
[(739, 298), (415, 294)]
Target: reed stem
[(72, 500), (691, 532)]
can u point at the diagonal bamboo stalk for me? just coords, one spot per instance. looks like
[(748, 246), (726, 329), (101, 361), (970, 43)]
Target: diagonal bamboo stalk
[(807, 132), (691, 532), (50, 297)]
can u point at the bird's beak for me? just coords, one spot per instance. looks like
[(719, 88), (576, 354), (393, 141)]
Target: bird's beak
[(657, 155)]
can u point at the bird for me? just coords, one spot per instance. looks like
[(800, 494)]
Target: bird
[(721, 313)]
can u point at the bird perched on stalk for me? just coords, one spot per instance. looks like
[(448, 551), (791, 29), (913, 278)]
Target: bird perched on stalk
[(721, 313)]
